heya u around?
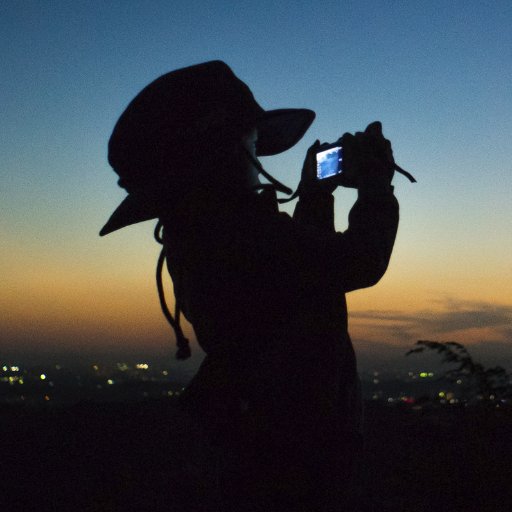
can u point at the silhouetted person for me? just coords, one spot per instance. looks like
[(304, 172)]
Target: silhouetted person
[(277, 395)]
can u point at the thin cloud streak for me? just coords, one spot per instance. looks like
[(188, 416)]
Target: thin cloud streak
[(452, 316)]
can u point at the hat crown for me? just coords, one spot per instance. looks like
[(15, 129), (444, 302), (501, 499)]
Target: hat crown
[(175, 112), (177, 128)]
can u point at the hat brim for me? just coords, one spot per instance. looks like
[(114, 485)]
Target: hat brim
[(281, 129), (132, 210), (278, 130)]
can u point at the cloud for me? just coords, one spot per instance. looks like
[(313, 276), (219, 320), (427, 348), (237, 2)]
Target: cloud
[(467, 315), (449, 316), (506, 332), (386, 315)]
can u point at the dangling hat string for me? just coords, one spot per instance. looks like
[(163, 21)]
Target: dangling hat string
[(182, 342)]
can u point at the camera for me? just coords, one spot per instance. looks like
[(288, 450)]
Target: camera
[(329, 161)]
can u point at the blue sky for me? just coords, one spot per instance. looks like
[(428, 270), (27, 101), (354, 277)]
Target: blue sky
[(437, 74)]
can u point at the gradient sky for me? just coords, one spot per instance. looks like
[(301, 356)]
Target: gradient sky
[(437, 74)]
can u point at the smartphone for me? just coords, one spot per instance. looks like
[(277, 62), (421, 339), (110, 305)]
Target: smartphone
[(329, 161)]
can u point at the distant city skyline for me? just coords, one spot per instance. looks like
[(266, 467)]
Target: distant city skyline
[(57, 385), (371, 356)]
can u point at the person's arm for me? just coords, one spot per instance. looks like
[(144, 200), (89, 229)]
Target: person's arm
[(359, 257), (315, 209), (365, 247)]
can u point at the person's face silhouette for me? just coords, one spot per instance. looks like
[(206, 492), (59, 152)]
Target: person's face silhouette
[(251, 178)]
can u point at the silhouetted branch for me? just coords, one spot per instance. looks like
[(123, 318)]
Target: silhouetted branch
[(491, 383)]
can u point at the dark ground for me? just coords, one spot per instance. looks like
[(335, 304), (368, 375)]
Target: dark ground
[(120, 457)]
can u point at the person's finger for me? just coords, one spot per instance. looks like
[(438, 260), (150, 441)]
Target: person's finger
[(309, 165), (365, 145), (313, 146), (388, 151), (341, 180), (310, 153), (313, 150), (347, 139), (374, 129)]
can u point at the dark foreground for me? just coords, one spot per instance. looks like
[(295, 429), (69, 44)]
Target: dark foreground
[(121, 457)]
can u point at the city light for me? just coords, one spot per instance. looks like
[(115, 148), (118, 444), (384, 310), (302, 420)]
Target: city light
[(97, 381), (104, 381)]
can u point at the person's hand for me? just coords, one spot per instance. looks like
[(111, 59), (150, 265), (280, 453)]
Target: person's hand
[(368, 161), (309, 184)]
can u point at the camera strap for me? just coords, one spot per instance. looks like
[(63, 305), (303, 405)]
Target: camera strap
[(408, 175)]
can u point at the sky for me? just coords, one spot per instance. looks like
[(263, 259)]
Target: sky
[(437, 74)]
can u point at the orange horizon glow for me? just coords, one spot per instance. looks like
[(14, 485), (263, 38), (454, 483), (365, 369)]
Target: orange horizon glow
[(103, 292), (84, 308)]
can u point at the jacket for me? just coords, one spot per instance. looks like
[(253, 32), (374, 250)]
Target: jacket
[(265, 293)]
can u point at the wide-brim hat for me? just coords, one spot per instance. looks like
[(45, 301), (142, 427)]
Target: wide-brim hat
[(167, 116)]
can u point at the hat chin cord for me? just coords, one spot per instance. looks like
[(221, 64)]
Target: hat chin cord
[(182, 342), (276, 183)]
